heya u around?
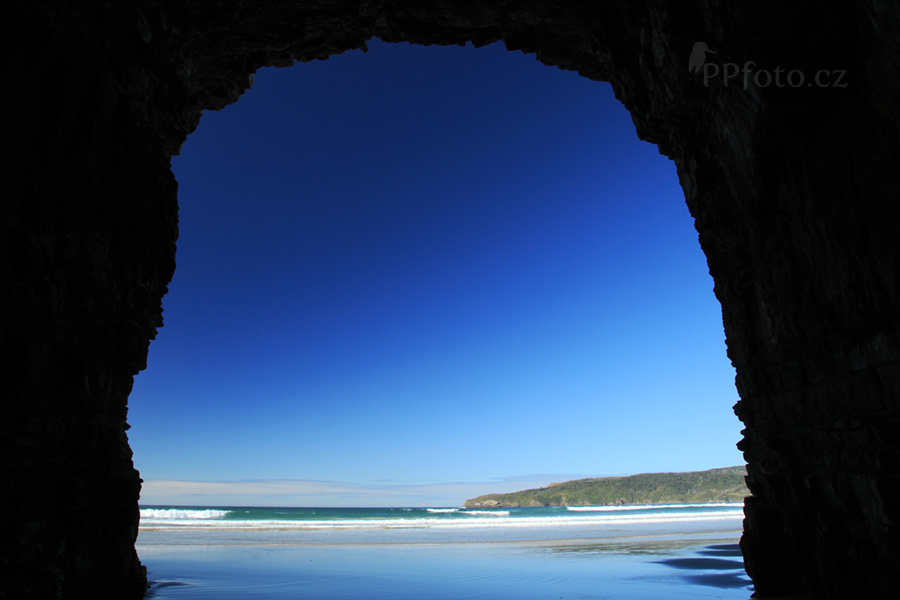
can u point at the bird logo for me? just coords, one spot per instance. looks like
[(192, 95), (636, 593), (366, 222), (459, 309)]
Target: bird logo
[(698, 57)]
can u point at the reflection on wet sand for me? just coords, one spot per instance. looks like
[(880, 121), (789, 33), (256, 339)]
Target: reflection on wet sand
[(714, 572)]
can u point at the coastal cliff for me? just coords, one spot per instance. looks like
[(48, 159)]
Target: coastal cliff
[(715, 485)]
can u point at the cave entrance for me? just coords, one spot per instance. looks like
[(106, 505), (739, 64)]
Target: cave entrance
[(426, 265)]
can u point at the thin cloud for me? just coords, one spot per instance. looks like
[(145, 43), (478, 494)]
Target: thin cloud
[(301, 492)]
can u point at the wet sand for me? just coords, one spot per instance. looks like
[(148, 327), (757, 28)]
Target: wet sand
[(695, 565)]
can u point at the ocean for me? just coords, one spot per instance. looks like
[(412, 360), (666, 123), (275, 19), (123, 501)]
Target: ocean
[(623, 552)]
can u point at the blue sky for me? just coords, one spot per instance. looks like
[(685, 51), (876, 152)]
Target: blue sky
[(419, 274)]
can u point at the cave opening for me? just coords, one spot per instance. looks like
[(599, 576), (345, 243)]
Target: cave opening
[(409, 255), (793, 191)]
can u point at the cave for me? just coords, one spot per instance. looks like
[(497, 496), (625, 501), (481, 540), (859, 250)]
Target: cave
[(781, 119)]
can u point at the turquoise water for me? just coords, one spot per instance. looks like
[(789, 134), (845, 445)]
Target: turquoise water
[(549, 553)]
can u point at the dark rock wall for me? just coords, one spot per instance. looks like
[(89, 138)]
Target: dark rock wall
[(88, 240), (794, 192)]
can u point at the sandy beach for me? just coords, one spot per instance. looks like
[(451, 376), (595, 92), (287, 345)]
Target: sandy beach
[(695, 560)]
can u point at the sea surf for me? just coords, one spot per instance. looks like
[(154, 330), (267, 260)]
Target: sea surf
[(173, 524)]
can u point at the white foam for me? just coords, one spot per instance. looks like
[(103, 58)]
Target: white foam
[(182, 513), (632, 507), (442, 510), (501, 513)]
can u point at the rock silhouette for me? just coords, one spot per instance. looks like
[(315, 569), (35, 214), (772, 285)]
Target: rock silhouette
[(794, 190)]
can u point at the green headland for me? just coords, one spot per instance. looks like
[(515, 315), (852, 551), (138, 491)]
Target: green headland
[(716, 485)]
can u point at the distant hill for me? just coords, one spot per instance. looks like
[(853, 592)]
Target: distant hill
[(716, 485)]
